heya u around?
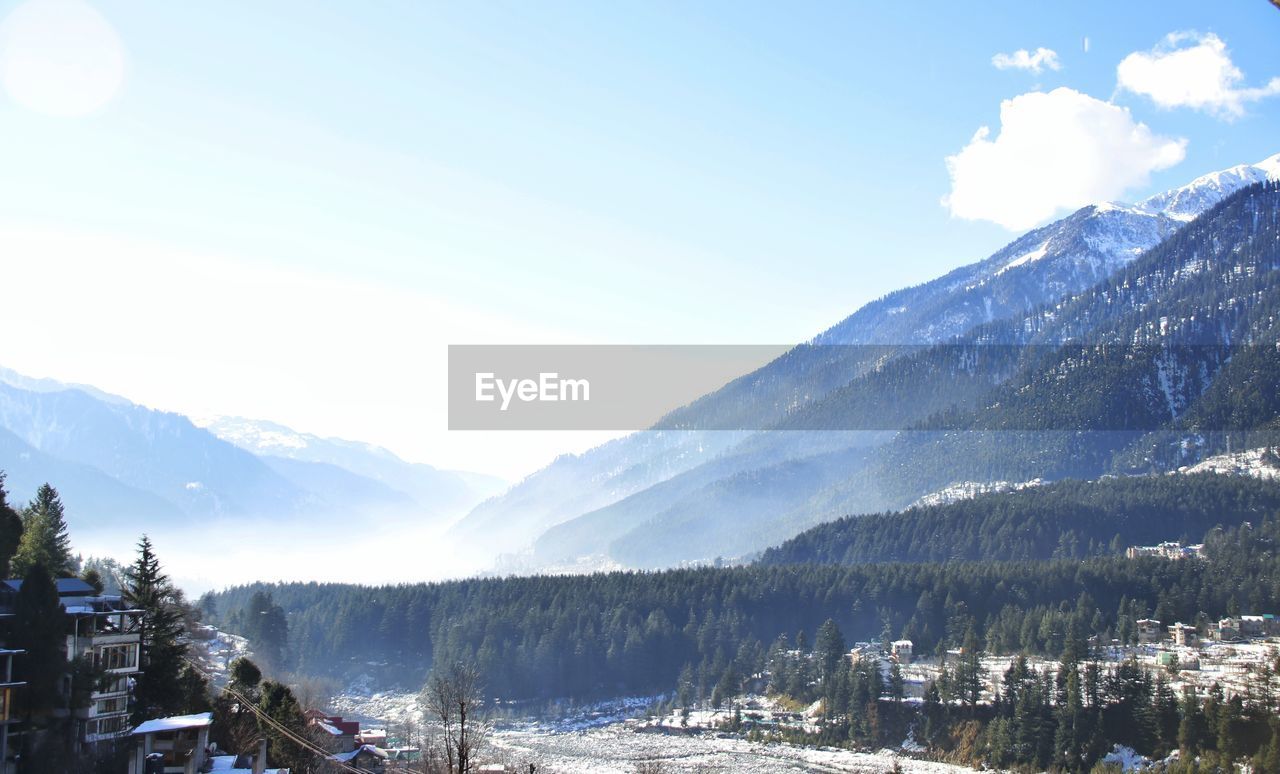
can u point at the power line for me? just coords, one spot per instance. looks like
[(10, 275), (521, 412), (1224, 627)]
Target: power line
[(284, 731)]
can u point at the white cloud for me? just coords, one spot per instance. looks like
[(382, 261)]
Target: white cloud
[(1023, 59), (1191, 70), (1055, 151)]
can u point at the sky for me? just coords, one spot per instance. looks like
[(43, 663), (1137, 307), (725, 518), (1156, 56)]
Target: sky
[(286, 211)]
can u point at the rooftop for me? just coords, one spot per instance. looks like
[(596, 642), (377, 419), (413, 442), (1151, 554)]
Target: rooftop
[(176, 723)]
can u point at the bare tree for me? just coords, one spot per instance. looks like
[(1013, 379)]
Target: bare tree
[(453, 698)]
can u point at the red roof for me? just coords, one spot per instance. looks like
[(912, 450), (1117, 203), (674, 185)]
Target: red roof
[(347, 727)]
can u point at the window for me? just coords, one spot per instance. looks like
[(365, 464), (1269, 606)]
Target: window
[(110, 706), (118, 656), (113, 725)]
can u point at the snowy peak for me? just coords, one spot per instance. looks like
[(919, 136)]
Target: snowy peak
[(1190, 200)]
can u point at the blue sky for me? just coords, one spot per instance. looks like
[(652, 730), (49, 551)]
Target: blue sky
[(266, 181)]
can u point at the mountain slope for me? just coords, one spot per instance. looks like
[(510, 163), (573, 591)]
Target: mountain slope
[(115, 461), (436, 492), (1068, 519), (1036, 269), (156, 452), (92, 498)]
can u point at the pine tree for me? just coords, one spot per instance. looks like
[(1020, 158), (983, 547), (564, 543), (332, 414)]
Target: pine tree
[(1070, 739), (279, 704), (969, 674), (897, 684), (1268, 758), (1166, 717), (10, 531), (829, 649), (40, 630), (44, 537), (235, 727), (147, 588), (267, 628)]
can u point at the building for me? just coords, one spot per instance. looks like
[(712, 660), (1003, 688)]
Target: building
[(337, 735), (180, 745), (1167, 550), (174, 745), (108, 633), (1149, 631), (365, 758), (1227, 630), (1252, 626), (901, 650), (1184, 635), (6, 704)]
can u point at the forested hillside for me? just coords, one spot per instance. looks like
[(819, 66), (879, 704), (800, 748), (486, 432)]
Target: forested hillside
[(1067, 519), (609, 634)]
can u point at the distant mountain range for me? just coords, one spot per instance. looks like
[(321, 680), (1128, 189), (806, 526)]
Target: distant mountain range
[(118, 463), (668, 496)]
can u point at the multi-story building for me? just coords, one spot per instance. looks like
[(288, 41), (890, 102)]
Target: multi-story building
[(1149, 631), (902, 651), (1184, 635), (105, 632), (6, 704)]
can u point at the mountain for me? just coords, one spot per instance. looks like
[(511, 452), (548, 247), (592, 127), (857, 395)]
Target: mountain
[(117, 462), (1173, 359), (157, 452), (630, 491), (435, 491), (1064, 520), (85, 490)]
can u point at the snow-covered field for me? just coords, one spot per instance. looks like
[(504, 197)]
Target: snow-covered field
[(607, 737), (618, 747)]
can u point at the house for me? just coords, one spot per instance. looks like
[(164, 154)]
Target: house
[(901, 650), (180, 745), (377, 737), (109, 633), (242, 763), (365, 758), (1252, 626), (1167, 550), (1184, 635), (1149, 631), (336, 735), (175, 744), (1227, 630), (1270, 625)]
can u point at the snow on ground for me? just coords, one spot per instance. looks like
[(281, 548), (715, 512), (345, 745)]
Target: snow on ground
[(610, 737), (379, 709), (620, 748), (214, 650), (967, 490), (1245, 463)]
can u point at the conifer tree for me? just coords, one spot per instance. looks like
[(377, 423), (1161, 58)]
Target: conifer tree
[(10, 530), (279, 704), (147, 588), (44, 537), (40, 630)]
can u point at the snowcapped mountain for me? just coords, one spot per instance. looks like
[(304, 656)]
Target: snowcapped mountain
[(1190, 200), (612, 490), (117, 462), (436, 491)]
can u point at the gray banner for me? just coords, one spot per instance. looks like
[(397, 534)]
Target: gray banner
[(994, 387)]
